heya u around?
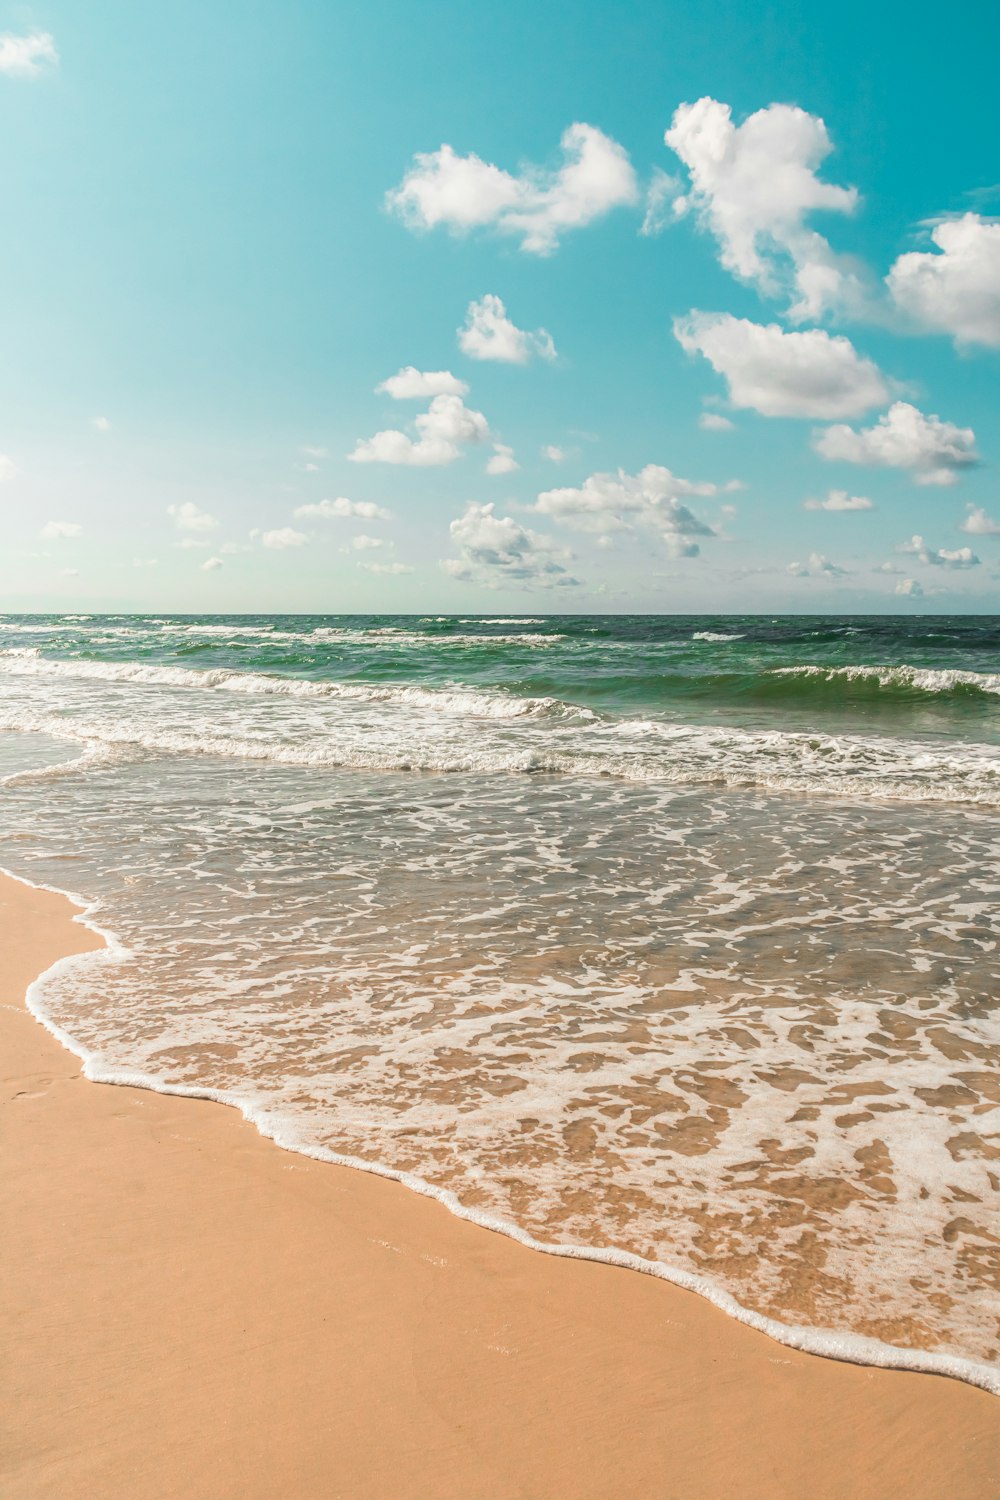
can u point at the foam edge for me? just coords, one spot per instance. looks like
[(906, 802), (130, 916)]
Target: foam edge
[(848, 1348)]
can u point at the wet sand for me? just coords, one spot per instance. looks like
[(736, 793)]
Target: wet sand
[(185, 1309)]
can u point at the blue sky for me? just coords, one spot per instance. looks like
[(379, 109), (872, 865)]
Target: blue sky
[(227, 224)]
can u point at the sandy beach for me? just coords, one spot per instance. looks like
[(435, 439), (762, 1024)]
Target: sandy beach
[(188, 1310)]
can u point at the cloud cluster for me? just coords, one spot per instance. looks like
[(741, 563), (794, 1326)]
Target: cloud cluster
[(27, 56), (816, 566), (411, 384), (443, 430), (779, 374), (195, 523), (341, 509), (54, 531), (753, 187), (537, 205), (497, 552), (978, 523), (490, 334), (651, 499), (904, 438), (943, 557), (839, 500), (955, 289)]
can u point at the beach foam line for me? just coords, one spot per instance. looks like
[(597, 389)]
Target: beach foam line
[(27, 662), (848, 1348)]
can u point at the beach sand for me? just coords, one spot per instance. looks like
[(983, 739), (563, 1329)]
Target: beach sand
[(186, 1310)]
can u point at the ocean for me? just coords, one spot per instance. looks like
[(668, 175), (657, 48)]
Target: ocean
[(669, 941)]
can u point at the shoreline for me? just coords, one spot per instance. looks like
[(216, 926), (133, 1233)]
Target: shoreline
[(214, 1316)]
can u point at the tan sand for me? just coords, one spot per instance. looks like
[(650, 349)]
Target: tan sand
[(186, 1310)]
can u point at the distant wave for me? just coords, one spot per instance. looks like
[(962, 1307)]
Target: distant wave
[(714, 635)]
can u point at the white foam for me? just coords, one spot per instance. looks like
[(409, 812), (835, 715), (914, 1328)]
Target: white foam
[(829, 1343), (713, 635), (927, 679)]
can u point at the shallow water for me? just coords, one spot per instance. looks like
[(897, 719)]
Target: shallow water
[(716, 985)]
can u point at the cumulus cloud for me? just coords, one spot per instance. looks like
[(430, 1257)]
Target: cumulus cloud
[(943, 557), (978, 523), (443, 430), (503, 460), (189, 518), (211, 564), (779, 374), (554, 453), (839, 500), (341, 509), (816, 566), (498, 552), (954, 289), (281, 539), (27, 56), (753, 187), (537, 205), (904, 438), (103, 424), (54, 531), (411, 384), (651, 499), (390, 569), (909, 588), (489, 333), (363, 543), (714, 421)]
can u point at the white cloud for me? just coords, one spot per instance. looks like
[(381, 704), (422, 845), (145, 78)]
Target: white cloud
[(714, 421), (538, 205), (364, 543), (904, 438), (69, 572), (145, 562), (839, 500), (54, 531), (8, 469), (211, 564), (554, 454), (959, 557), (340, 509), (189, 518), (489, 334), (283, 538), (103, 424), (909, 588), (753, 187), (391, 569), (411, 384), (26, 56), (607, 503), (956, 291), (816, 566), (978, 523), (660, 198), (443, 429), (503, 460), (497, 552), (311, 451), (810, 374)]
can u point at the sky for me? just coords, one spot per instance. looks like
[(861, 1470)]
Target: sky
[(392, 308)]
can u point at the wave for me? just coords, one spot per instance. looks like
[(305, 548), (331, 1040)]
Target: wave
[(903, 681), (26, 662), (829, 1343), (713, 635)]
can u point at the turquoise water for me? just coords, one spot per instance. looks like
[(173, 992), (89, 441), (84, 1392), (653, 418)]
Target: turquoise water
[(674, 939)]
